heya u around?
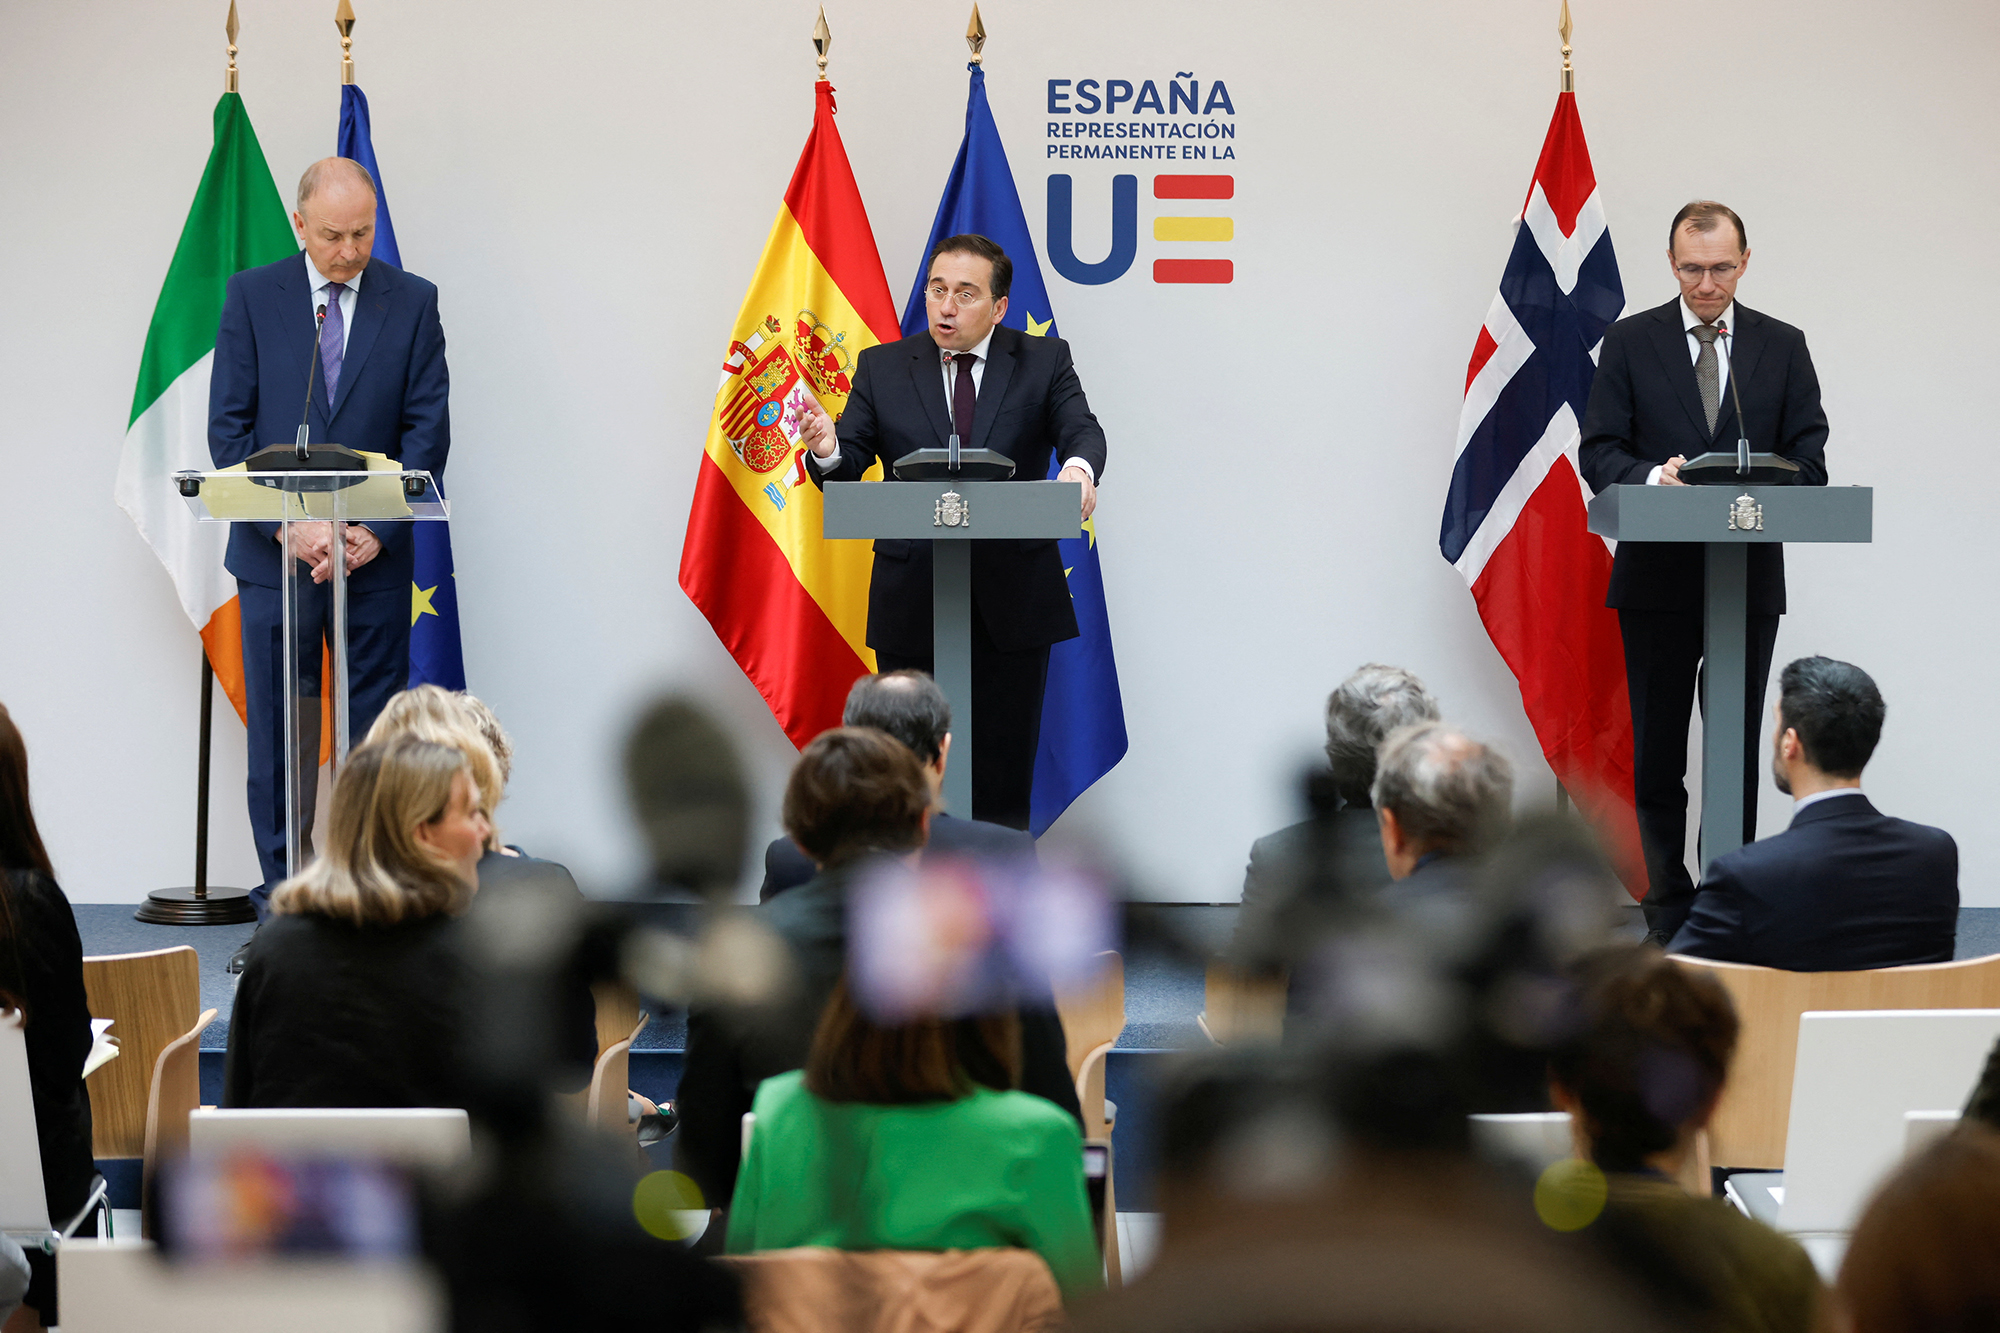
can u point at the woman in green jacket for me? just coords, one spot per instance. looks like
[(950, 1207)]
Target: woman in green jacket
[(911, 1137)]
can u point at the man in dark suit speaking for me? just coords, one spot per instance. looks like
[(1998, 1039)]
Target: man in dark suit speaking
[(1661, 397), (1845, 887), (380, 386), (995, 388)]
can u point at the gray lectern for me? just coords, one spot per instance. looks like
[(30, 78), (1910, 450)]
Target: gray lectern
[(954, 514), (1727, 520)]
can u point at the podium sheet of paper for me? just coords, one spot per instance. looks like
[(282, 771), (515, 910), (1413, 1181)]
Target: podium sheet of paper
[(231, 493)]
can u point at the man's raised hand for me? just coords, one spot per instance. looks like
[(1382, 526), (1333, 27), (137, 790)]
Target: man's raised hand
[(816, 429)]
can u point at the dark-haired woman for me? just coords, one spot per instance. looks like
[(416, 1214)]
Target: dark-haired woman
[(41, 974), (1640, 1077), (911, 1137)]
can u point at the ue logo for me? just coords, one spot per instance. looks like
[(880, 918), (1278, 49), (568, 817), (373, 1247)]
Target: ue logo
[(1125, 230)]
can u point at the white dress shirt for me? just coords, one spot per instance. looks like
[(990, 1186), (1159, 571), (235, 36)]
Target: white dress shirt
[(1826, 795), (349, 294), (950, 370), (1723, 355)]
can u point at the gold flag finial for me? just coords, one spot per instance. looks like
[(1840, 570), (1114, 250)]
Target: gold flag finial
[(822, 40), (229, 75), (975, 35), (343, 21), (1563, 27)]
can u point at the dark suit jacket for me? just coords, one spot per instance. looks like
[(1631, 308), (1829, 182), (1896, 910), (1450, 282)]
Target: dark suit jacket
[(1288, 909), (1844, 888), (392, 396), (786, 867), (1031, 409), (1644, 409), (729, 1052)]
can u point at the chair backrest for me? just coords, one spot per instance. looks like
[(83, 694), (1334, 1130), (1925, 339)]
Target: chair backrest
[(175, 1095), (617, 1012), (1857, 1074), (1093, 1014), (414, 1136), (607, 1106), (1750, 1122), (1923, 1128), (1239, 1009), (810, 1289), (1535, 1139), (24, 1206), (151, 998)]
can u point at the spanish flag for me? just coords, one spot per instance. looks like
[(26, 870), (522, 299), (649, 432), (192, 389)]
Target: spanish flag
[(791, 607)]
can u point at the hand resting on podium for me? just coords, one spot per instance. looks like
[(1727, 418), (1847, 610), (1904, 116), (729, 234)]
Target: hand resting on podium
[(310, 543)]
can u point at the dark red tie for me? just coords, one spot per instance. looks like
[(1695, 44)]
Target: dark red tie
[(962, 397)]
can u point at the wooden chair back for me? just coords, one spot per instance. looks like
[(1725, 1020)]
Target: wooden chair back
[(1093, 1018), (1751, 1120), (175, 1093), (1239, 1009), (813, 1288), (607, 1107), (152, 999)]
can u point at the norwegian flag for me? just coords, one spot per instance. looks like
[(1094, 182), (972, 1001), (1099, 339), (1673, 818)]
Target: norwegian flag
[(1514, 522)]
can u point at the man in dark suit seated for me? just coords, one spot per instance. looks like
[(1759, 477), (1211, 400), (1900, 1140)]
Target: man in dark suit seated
[(1845, 887), (909, 706), (1282, 887), (855, 797), (1443, 800)]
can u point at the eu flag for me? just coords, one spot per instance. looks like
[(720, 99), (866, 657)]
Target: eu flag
[(435, 655), (1083, 717)]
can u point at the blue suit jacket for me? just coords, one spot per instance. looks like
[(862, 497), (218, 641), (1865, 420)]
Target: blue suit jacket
[(392, 396), (1845, 887), (786, 867)]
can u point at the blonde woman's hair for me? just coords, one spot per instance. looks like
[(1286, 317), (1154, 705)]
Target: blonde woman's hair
[(437, 714), (374, 870)]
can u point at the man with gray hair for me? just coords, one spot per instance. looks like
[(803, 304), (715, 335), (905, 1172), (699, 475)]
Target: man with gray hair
[(1282, 886), (354, 345), (1442, 799)]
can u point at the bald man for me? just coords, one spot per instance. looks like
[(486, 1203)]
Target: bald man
[(379, 385)]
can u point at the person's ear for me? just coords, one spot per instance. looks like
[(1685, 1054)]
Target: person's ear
[(944, 753), (1392, 831)]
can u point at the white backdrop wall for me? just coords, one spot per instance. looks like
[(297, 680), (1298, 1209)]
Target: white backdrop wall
[(591, 185)]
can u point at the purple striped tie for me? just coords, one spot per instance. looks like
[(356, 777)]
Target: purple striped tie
[(332, 342)]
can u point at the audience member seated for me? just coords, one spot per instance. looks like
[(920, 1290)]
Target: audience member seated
[(1281, 892), (1921, 1259), (1441, 800), (1640, 1078), (467, 725), (909, 1136), (909, 706), (352, 994), (1845, 887), (41, 974), (855, 794)]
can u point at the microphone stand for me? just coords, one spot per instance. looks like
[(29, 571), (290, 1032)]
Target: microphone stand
[(1736, 397)]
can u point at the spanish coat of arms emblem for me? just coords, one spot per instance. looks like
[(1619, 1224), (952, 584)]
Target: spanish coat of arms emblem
[(1746, 515), (952, 511)]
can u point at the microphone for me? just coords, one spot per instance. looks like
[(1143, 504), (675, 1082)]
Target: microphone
[(1742, 427), (302, 447), (952, 454)]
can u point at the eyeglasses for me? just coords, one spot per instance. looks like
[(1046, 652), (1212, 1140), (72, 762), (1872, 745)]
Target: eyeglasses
[(1694, 272), (938, 292)]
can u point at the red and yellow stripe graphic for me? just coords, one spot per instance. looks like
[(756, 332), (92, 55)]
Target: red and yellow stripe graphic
[(791, 607)]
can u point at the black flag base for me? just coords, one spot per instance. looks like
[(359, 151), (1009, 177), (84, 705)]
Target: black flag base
[(197, 907)]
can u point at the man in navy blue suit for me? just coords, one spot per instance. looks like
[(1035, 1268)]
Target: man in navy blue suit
[(380, 385), (909, 706), (1845, 887), (996, 388)]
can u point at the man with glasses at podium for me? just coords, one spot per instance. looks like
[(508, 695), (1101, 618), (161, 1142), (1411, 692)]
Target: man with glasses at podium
[(1663, 394), (369, 374), (999, 389)]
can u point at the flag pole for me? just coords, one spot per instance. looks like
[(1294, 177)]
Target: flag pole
[(201, 905), (975, 35), (822, 41), (343, 22), (1562, 26)]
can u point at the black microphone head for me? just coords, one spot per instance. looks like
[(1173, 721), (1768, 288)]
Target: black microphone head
[(322, 312), (690, 795)]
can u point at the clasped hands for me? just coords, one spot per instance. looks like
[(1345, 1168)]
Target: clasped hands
[(313, 542), (816, 432)]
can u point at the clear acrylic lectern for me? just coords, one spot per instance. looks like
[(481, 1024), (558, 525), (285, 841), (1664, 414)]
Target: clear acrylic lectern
[(382, 494), (954, 514), (1728, 520)]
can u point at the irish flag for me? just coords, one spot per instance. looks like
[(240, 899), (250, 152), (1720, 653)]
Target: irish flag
[(238, 221), (791, 607)]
